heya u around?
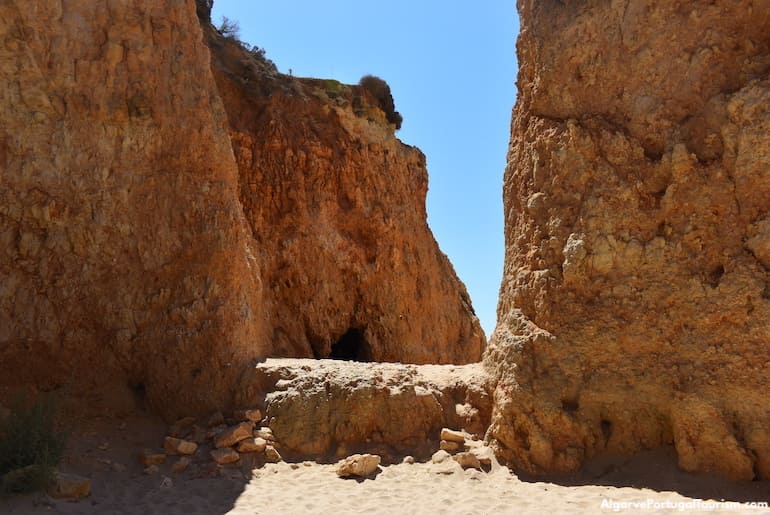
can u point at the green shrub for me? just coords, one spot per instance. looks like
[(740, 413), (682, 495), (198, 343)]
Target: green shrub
[(30, 446), (380, 90)]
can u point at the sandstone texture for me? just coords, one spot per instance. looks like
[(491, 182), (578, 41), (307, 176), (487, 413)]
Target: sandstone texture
[(635, 304), (158, 240), (329, 409), (336, 206), (124, 253)]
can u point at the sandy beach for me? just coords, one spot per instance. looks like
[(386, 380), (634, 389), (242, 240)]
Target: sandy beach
[(106, 451)]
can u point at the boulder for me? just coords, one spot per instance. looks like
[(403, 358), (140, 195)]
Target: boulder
[(358, 465), (233, 434), (225, 455), (70, 486)]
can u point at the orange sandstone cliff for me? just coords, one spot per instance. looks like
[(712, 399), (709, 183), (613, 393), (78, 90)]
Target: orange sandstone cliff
[(158, 238), (635, 304)]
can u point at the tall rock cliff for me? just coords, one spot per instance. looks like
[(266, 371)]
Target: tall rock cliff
[(635, 304), (139, 250), (125, 254), (336, 205)]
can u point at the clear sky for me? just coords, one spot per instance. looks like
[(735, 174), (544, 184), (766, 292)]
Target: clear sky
[(451, 67)]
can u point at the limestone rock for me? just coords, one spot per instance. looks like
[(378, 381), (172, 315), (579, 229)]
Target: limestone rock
[(225, 455), (232, 435), (636, 222), (467, 460), (323, 407), (359, 465), (272, 455), (252, 445), (177, 446), (449, 446), (122, 231), (70, 486), (149, 457), (349, 218), (452, 436), (440, 456)]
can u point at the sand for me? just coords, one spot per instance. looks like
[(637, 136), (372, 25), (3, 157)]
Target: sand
[(105, 450)]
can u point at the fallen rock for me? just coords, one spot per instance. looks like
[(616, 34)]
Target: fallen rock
[(70, 486), (225, 455), (272, 455), (251, 415), (409, 460), (359, 465), (450, 435), (449, 446), (440, 456), (264, 432), (233, 435), (215, 430), (182, 427), (467, 460), (198, 434), (252, 445), (148, 457), (178, 446), (181, 465)]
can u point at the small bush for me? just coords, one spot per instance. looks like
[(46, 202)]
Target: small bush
[(30, 446), (229, 28), (380, 90)]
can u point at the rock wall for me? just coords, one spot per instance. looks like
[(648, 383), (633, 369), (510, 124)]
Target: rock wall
[(635, 304), (336, 205), (135, 252), (125, 254)]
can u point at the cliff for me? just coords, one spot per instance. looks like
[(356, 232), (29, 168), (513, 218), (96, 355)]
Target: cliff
[(634, 307), (156, 238)]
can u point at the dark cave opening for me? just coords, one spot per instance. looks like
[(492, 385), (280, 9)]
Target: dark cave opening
[(351, 346)]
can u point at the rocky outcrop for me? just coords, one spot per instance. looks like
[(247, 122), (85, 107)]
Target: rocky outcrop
[(634, 309), (336, 205), (125, 256), (138, 250), (326, 409)]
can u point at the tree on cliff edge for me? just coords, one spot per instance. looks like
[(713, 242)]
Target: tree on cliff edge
[(380, 90)]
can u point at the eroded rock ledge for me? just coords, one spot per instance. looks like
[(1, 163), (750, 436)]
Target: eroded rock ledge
[(634, 308)]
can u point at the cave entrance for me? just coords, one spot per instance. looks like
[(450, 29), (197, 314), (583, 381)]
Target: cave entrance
[(351, 346)]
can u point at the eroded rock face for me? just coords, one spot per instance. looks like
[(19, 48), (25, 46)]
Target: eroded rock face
[(336, 205), (634, 308), (137, 250), (326, 409), (125, 256)]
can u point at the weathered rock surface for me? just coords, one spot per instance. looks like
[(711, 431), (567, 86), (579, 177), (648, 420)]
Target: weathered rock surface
[(634, 307), (234, 434), (124, 253), (225, 455), (358, 465), (321, 408), (70, 486), (336, 205), (152, 240)]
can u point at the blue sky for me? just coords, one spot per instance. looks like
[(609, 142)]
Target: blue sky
[(451, 67)]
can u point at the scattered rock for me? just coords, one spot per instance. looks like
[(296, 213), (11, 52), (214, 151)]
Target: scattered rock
[(272, 455), (182, 427), (215, 430), (251, 415), (467, 460), (449, 446), (152, 470), (409, 460), (252, 445), (225, 455), (178, 446), (264, 432), (198, 434), (70, 486), (166, 482), (233, 435), (440, 456), (360, 465), (217, 419), (148, 457), (452, 436), (181, 465)]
